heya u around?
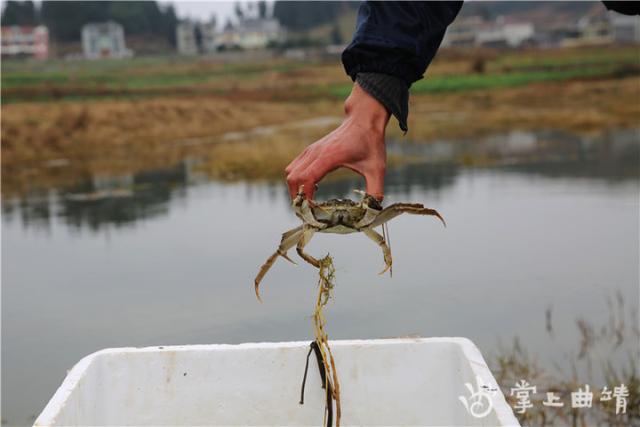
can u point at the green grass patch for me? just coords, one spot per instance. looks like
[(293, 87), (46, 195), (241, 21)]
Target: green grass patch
[(465, 82), (131, 74), (570, 58), (30, 79)]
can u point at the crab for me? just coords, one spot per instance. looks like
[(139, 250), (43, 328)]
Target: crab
[(339, 216)]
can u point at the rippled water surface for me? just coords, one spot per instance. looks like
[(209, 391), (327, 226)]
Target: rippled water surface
[(542, 230)]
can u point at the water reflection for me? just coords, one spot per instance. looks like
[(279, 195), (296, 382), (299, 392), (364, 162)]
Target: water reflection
[(168, 257), (126, 199), (400, 180), (610, 155), (114, 200)]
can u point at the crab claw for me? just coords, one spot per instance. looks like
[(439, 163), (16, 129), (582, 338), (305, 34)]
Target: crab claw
[(285, 256), (384, 271), (289, 239), (437, 214), (257, 289), (387, 268), (258, 292), (387, 261), (263, 270)]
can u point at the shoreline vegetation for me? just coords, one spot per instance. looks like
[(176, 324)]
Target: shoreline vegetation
[(598, 359), (67, 121)]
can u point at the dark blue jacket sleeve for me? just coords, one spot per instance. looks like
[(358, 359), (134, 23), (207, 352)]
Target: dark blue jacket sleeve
[(399, 38)]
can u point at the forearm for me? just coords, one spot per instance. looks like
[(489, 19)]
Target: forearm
[(390, 91), (366, 111), (392, 47)]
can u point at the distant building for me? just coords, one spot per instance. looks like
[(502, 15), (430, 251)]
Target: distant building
[(624, 28), (556, 34), (253, 33), (25, 42), (593, 28), (208, 36), (603, 27), (104, 40), (463, 31), (597, 27), (506, 34), (475, 31), (186, 38), (193, 38)]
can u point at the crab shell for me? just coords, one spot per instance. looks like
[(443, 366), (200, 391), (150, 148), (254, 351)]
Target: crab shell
[(339, 216)]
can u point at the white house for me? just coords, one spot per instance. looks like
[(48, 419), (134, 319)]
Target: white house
[(186, 38), (104, 40), (625, 28), (208, 36), (475, 31), (252, 33), (503, 33)]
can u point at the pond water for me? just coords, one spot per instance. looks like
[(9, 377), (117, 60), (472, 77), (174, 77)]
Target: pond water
[(542, 231)]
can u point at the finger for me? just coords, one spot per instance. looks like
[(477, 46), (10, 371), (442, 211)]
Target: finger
[(314, 173), (299, 158), (292, 184), (304, 163), (306, 154), (294, 181), (298, 175)]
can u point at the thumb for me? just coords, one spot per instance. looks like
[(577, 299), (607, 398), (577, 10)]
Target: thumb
[(375, 184)]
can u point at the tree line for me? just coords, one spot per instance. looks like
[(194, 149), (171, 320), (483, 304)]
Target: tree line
[(65, 19), (302, 15)]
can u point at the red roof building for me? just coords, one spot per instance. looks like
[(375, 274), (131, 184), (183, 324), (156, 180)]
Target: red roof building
[(25, 41)]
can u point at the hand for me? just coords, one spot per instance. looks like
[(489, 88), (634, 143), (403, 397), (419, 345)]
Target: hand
[(357, 144)]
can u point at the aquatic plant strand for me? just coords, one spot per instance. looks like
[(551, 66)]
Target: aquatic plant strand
[(326, 283)]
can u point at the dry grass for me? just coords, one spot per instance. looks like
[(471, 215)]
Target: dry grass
[(264, 158), (598, 346), (576, 106), (123, 136)]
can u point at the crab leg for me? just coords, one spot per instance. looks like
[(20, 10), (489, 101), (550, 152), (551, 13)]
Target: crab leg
[(396, 209), (289, 239), (376, 237), (307, 234), (306, 214), (371, 213)]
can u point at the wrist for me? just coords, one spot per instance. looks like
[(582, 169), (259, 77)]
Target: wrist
[(366, 111), (390, 91)]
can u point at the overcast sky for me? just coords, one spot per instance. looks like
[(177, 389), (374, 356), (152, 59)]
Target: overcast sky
[(202, 10)]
